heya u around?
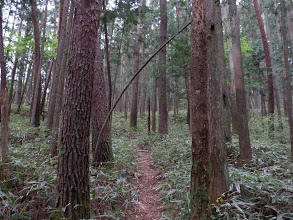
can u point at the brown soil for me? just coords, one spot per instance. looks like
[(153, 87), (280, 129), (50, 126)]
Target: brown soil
[(147, 207)]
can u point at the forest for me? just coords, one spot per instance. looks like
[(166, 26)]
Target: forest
[(146, 109)]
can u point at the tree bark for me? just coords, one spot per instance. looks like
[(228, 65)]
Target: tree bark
[(5, 170), (73, 158), (60, 90), (268, 66), (99, 114), (231, 65), (134, 102), (288, 75), (242, 121), (162, 80), (276, 76), (64, 5), (36, 104), (209, 174), (107, 59)]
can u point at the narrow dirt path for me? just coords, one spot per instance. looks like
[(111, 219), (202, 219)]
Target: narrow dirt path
[(147, 208)]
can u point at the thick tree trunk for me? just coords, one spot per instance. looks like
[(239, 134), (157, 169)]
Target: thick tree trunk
[(288, 75), (218, 164), (268, 65), (200, 181), (242, 121), (73, 158), (162, 80), (5, 170), (209, 174), (99, 114)]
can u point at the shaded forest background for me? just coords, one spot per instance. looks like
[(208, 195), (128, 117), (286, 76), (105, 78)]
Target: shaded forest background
[(214, 107)]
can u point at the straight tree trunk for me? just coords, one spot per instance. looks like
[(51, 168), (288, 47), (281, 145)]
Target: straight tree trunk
[(209, 174), (218, 164), (242, 121), (134, 102), (288, 75), (162, 80), (36, 100), (268, 65), (276, 76), (187, 86), (5, 170), (64, 7), (99, 114), (107, 58), (154, 109), (60, 90), (149, 116), (231, 65), (73, 159)]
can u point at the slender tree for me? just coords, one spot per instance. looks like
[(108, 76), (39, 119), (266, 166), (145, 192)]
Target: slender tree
[(162, 80), (99, 113), (288, 75), (73, 158), (5, 172), (242, 122), (268, 65), (134, 99), (36, 105)]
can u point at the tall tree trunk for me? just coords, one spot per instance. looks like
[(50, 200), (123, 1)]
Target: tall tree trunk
[(5, 170), (242, 121), (64, 7), (107, 58), (288, 75), (60, 90), (231, 65), (134, 102), (99, 114), (209, 175), (162, 81), (276, 76), (36, 100), (73, 158), (218, 164), (268, 65)]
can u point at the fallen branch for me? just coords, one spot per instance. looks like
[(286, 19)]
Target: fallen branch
[(126, 87)]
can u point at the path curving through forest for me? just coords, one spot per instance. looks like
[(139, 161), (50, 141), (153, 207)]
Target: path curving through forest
[(147, 207)]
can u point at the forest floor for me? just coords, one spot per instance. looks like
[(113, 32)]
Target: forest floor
[(147, 206), (150, 172)]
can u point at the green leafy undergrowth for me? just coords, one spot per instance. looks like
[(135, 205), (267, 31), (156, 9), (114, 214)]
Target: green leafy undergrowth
[(30, 193), (260, 190)]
